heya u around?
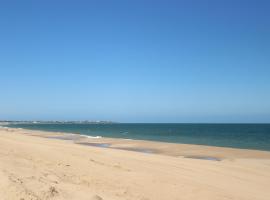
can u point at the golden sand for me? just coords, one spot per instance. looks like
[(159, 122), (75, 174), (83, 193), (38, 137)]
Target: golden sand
[(35, 167)]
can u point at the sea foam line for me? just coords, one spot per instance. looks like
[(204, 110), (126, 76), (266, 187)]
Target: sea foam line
[(91, 137)]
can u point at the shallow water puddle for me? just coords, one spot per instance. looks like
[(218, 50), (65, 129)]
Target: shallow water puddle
[(204, 158)]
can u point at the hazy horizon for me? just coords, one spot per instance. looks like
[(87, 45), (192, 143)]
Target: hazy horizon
[(116, 122), (139, 61)]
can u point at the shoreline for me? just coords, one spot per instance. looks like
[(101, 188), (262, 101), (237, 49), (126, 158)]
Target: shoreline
[(194, 151), (40, 168), (239, 137)]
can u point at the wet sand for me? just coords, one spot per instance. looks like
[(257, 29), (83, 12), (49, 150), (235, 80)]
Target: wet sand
[(46, 165)]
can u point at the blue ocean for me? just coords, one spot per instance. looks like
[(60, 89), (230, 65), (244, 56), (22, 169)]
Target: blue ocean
[(247, 136)]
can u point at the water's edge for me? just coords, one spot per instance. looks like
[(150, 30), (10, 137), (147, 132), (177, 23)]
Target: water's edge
[(241, 136)]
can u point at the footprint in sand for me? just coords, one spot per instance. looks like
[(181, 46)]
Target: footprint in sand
[(52, 191), (96, 197)]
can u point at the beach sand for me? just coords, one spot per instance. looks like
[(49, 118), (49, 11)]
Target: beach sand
[(37, 165)]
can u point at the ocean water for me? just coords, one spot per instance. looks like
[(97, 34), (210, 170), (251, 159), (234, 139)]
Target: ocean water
[(247, 136)]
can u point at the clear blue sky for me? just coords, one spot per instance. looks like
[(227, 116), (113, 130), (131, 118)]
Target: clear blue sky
[(135, 61)]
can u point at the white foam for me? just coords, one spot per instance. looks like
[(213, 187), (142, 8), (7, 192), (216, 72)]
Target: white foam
[(91, 137)]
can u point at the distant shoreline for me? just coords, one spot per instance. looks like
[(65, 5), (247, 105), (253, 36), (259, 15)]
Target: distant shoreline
[(113, 122), (240, 136), (146, 146)]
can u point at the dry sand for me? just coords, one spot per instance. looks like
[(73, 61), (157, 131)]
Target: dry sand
[(34, 167)]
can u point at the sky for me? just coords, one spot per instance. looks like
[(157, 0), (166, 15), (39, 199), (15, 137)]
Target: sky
[(135, 61)]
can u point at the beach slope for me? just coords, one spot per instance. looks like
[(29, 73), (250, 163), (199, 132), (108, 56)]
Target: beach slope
[(40, 168)]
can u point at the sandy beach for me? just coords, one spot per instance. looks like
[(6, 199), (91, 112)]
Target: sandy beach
[(37, 165)]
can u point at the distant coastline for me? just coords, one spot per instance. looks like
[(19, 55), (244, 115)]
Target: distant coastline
[(56, 122)]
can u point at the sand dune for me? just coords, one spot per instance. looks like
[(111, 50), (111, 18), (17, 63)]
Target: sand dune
[(35, 168)]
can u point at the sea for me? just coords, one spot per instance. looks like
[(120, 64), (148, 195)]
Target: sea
[(244, 136)]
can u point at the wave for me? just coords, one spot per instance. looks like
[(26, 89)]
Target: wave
[(91, 137)]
